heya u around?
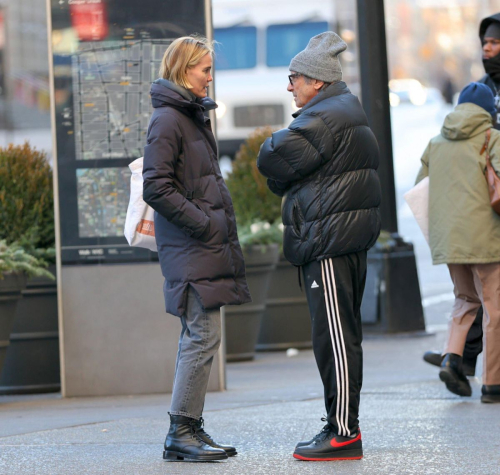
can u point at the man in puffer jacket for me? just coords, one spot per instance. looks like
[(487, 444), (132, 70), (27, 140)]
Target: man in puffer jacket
[(324, 165)]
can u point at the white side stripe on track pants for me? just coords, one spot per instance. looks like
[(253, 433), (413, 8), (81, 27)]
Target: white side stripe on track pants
[(339, 353)]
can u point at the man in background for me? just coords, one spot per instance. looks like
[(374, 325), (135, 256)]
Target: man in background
[(489, 34)]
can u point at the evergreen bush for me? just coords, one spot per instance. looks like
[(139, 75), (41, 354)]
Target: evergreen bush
[(14, 259), (26, 200), (261, 233), (253, 201)]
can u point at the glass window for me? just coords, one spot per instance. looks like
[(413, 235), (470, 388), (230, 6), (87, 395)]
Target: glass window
[(237, 48), (285, 41)]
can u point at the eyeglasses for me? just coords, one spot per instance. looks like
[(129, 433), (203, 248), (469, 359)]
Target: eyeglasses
[(292, 77)]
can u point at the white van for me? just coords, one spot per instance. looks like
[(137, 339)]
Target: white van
[(258, 39)]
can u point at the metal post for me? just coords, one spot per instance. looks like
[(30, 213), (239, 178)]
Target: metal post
[(375, 97), (393, 291)]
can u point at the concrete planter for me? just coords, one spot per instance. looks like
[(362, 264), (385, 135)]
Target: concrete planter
[(10, 294), (32, 361), (286, 322), (392, 302), (243, 321)]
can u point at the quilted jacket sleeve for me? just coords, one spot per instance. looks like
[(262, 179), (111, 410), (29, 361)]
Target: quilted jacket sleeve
[(160, 156), (289, 155)]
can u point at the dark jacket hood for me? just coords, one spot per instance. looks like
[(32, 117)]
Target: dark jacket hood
[(486, 23), (165, 93)]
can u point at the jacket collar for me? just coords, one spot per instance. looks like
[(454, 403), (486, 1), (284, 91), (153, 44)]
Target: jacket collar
[(334, 89), (188, 95), (165, 93)]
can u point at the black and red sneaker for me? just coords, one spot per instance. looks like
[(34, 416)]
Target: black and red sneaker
[(329, 446)]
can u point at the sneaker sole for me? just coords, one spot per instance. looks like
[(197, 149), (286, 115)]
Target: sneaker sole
[(345, 455), (172, 456), (453, 385)]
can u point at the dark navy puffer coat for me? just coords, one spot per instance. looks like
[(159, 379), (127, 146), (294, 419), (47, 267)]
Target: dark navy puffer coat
[(324, 164), (195, 226)]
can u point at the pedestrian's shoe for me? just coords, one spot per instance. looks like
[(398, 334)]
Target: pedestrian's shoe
[(184, 444), (200, 432), (328, 446), (308, 442), (490, 393), (453, 376), (435, 358)]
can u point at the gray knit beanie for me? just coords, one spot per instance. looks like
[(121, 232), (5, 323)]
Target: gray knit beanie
[(320, 59)]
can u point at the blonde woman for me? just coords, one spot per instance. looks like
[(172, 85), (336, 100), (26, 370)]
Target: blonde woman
[(195, 229)]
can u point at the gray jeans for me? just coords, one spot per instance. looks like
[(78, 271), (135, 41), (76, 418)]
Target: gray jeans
[(198, 344)]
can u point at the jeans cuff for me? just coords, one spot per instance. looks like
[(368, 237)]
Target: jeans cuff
[(185, 414)]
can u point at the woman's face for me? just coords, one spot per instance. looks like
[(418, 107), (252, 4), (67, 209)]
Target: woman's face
[(200, 76)]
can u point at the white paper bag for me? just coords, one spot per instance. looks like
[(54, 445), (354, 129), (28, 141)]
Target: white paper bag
[(418, 201), (139, 223)]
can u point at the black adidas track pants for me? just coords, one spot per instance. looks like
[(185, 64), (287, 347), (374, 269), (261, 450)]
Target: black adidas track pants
[(334, 289)]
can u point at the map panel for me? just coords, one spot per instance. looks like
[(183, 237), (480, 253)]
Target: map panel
[(103, 196), (112, 107)]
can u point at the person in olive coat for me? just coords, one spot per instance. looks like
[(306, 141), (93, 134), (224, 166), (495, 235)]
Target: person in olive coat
[(464, 232), (489, 34), (324, 165), (196, 235)]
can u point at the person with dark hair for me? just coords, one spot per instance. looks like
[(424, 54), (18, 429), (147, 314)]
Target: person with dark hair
[(489, 34), (459, 206), (324, 165)]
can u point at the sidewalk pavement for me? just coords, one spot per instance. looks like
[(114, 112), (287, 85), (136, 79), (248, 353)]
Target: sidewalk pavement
[(411, 424)]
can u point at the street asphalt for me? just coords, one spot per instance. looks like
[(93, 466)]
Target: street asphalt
[(410, 423)]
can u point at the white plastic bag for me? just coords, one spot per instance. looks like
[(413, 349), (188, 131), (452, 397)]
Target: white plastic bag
[(418, 201), (139, 223)]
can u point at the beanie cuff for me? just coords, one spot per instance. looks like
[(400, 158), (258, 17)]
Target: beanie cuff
[(321, 74)]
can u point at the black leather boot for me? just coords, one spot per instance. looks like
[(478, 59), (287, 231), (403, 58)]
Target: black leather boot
[(435, 358), (200, 432), (490, 393), (453, 376), (328, 446), (184, 444)]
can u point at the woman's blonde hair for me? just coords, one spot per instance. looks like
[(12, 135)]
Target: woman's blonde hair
[(183, 53)]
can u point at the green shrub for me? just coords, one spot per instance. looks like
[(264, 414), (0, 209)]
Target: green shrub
[(261, 233), (14, 259), (252, 200), (26, 199)]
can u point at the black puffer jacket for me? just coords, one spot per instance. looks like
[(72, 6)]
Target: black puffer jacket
[(195, 226), (325, 165)]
